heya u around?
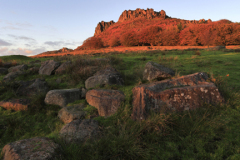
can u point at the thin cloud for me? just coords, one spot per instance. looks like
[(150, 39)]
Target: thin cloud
[(3, 49), (16, 25), (60, 43), (10, 28), (21, 51), (22, 37), (4, 43), (54, 43)]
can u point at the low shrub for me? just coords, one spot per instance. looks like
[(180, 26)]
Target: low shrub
[(114, 42), (129, 39), (198, 53), (93, 43)]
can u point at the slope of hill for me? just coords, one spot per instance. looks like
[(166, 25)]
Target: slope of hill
[(150, 28), (147, 27)]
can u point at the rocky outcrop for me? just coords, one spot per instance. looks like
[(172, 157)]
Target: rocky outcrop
[(62, 97), (154, 70), (63, 50), (16, 104), (18, 68), (7, 65), (11, 76), (141, 13), (108, 76), (102, 26), (184, 93), (38, 148), (49, 67), (79, 131), (106, 101), (63, 67), (70, 113), (34, 70), (32, 88), (216, 48)]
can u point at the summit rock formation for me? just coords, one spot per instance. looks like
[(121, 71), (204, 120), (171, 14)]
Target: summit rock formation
[(102, 26), (141, 13), (130, 15)]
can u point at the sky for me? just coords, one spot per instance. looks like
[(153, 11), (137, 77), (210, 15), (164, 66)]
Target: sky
[(30, 27)]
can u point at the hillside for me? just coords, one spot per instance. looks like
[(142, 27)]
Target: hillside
[(147, 27), (150, 28)]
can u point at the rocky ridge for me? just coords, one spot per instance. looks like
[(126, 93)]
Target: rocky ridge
[(141, 13), (102, 26)]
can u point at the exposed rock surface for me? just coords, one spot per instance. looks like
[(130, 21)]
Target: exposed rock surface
[(102, 26), (106, 101), (38, 148), (31, 88), (15, 104), (83, 93), (79, 130), (187, 92), (216, 48), (18, 68), (62, 97), (141, 13), (154, 70), (63, 67), (3, 71), (34, 70), (63, 50), (70, 113), (11, 76), (7, 65), (108, 76), (49, 67)]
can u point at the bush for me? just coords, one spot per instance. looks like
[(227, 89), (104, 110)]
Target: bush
[(93, 43), (129, 39), (148, 35), (114, 42)]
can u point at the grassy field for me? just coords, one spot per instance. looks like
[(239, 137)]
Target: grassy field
[(211, 132)]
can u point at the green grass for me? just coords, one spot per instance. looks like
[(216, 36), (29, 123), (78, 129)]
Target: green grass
[(211, 132), (15, 57)]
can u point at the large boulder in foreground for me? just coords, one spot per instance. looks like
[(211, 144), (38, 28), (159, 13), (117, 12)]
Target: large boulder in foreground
[(16, 104), (38, 148), (184, 93), (154, 70), (108, 76), (62, 97), (70, 113), (32, 88), (49, 67), (18, 68), (106, 101), (79, 131)]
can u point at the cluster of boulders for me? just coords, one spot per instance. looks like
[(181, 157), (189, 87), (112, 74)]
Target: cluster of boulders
[(162, 94)]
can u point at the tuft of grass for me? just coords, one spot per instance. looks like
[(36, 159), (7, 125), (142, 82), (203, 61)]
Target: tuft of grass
[(198, 53)]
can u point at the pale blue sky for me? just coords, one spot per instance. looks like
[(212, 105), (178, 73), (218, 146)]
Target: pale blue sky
[(29, 27)]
